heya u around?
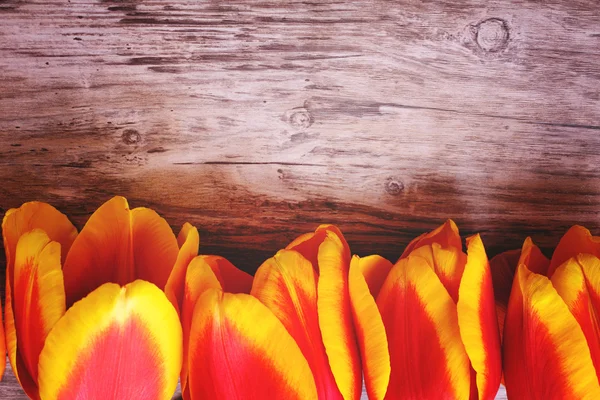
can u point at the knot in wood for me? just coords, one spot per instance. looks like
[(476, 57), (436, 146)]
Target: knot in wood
[(394, 186), (299, 118), (131, 136), (492, 35)]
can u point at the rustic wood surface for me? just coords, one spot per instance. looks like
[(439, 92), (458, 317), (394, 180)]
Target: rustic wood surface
[(258, 120)]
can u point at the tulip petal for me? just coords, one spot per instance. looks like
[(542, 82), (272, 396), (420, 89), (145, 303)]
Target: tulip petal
[(577, 281), (119, 245), (545, 352), (577, 240), (428, 359), (231, 278), (478, 322), (38, 296), (446, 235), (240, 350), (448, 264), (503, 267), (116, 343), (188, 241), (335, 315), (199, 277), (370, 330), (308, 244), (203, 273), (32, 215), (532, 257), (287, 285)]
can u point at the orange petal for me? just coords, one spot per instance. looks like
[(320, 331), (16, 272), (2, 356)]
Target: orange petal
[(335, 315), (199, 277), (37, 297), (532, 257), (545, 352), (308, 244), (119, 245), (478, 322), (370, 331), (447, 262), (503, 267), (445, 235), (240, 350), (427, 355), (232, 279), (577, 281), (116, 343), (32, 215), (188, 241), (287, 285), (577, 240)]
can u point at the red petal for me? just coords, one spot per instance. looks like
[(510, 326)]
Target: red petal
[(116, 343), (188, 241), (427, 355), (545, 353), (445, 235), (577, 240), (287, 285), (240, 350), (503, 267)]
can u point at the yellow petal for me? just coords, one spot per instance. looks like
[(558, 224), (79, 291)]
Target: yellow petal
[(32, 215), (240, 350), (478, 322), (448, 263), (335, 315), (577, 281), (287, 285), (199, 277), (371, 336), (428, 358), (116, 343), (188, 241), (446, 235), (37, 297), (545, 353), (577, 240)]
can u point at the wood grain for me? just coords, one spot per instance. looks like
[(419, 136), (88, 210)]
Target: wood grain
[(258, 120)]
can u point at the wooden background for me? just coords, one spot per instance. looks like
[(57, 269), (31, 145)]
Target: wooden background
[(258, 120)]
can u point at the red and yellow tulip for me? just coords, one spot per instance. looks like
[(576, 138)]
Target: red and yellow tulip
[(434, 313), (551, 342), (202, 274), (72, 334), (306, 288), (292, 338)]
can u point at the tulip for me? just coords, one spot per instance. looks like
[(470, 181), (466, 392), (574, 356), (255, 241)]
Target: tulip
[(551, 343), (433, 311), (306, 288), (202, 273), (292, 338), (85, 314), (234, 346)]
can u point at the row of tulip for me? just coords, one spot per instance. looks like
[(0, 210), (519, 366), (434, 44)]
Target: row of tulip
[(124, 309)]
